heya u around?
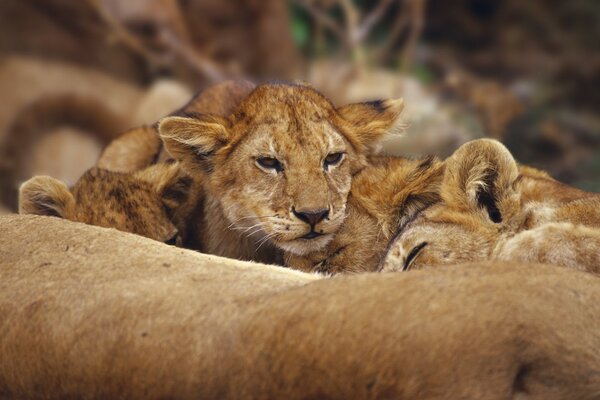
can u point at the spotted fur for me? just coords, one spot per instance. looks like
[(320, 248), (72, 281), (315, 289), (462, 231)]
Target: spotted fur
[(154, 202)]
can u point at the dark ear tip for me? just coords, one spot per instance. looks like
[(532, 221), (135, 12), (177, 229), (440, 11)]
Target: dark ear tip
[(381, 106), (378, 105)]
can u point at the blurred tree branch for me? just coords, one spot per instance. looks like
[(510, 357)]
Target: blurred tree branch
[(321, 17), (358, 24), (417, 18), (173, 43)]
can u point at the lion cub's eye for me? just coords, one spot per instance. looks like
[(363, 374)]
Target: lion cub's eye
[(269, 163), (332, 159), (413, 255)]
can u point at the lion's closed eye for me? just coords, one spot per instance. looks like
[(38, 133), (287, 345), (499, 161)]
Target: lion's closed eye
[(412, 256)]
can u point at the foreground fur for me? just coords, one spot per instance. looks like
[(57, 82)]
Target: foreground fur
[(493, 209), (385, 195), (278, 169), (87, 312)]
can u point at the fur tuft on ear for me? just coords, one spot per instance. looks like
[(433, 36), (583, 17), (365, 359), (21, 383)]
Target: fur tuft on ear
[(193, 141), (373, 120), (482, 175), (170, 182), (44, 195)]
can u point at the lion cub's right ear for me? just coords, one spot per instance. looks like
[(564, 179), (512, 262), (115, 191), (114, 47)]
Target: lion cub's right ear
[(193, 141), (373, 120), (44, 195)]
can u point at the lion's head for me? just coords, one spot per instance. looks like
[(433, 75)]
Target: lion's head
[(143, 203), (492, 208), (481, 201), (280, 166)]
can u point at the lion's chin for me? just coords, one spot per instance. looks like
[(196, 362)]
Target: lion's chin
[(302, 246)]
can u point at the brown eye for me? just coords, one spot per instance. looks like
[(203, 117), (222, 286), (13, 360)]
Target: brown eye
[(332, 160), (413, 255), (269, 163)]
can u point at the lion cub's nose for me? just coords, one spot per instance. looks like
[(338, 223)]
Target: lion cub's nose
[(311, 217)]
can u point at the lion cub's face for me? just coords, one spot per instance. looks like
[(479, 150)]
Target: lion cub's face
[(281, 165), (141, 203), (480, 205), (491, 209)]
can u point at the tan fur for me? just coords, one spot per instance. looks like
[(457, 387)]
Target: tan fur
[(155, 202), (565, 244), (493, 209), (132, 151), (252, 210), (384, 196), (91, 313)]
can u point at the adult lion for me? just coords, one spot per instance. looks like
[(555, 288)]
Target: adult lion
[(87, 312)]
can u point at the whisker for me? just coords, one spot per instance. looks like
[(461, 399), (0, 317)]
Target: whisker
[(264, 240), (257, 230), (249, 217), (239, 228)]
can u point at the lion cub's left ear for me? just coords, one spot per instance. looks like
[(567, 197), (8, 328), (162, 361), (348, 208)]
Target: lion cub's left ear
[(482, 177), (170, 182), (371, 121), (44, 195), (194, 141)]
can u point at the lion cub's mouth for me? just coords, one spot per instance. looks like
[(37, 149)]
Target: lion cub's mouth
[(311, 235)]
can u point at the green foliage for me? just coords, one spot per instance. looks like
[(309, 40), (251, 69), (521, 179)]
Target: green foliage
[(300, 25)]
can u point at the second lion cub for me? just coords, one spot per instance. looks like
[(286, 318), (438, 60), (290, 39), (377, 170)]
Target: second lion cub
[(493, 209)]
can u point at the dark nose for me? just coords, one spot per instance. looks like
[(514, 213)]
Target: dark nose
[(311, 217)]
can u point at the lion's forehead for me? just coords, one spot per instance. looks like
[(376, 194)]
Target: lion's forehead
[(289, 138), (273, 99)]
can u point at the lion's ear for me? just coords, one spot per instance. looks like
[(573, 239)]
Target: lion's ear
[(193, 141), (43, 195), (170, 182), (482, 177), (373, 120)]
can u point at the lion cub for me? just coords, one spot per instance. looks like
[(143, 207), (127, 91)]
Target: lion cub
[(493, 209), (384, 196), (154, 202), (278, 169)]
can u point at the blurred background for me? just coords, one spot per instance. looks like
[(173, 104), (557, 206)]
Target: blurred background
[(75, 74)]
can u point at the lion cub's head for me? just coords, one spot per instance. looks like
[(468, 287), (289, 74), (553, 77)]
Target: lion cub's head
[(280, 166), (480, 201), (142, 203), (493, 209)]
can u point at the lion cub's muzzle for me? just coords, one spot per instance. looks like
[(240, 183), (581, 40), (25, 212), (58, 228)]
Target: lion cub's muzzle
[(312, 218)]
